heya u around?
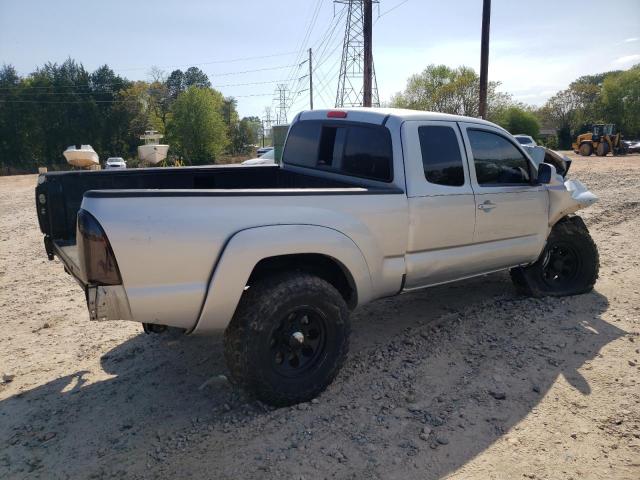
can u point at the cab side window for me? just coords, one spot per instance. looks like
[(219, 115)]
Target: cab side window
[(441, 157), (498, 162)]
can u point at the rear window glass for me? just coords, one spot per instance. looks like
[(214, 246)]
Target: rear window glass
[(441, 157), (351, 149), (302, 144)]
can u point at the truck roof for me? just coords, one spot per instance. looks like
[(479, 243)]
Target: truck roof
[(378, 115)]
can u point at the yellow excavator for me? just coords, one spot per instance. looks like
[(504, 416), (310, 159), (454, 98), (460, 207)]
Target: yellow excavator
[(602, 140)]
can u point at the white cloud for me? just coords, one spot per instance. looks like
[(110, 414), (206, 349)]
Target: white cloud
[(632, 39), (627, 59)]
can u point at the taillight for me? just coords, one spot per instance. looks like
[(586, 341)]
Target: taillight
[(96, 257)]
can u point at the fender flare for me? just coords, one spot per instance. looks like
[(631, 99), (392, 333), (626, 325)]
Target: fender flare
[(247, 247)]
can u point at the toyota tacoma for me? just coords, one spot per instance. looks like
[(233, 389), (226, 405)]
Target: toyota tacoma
[(365, 204)]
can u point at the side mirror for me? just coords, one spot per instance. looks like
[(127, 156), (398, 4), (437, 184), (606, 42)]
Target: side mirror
[(545, 172)]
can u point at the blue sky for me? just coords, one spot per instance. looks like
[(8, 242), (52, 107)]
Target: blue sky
[(537, 47)]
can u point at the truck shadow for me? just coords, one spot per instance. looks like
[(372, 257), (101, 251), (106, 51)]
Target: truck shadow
[(168, 399)]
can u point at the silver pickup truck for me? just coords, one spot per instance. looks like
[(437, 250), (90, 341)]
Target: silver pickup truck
[(366, 204)]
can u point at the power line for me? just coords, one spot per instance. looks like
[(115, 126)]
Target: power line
[(391, 9), (324, 45), (250, 71), (212, 62), (125, 82), (102, 92), (62, 102), (305, 38)]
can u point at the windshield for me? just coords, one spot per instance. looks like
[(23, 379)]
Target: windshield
[(524, 140), (270, 155)]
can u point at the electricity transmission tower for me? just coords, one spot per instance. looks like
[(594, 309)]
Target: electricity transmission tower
[(266, 124), (357, 37), (282, 97)]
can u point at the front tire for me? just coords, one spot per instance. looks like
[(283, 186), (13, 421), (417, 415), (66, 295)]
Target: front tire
[(288, 338), (568, 265), (586, 149), (603, 149)]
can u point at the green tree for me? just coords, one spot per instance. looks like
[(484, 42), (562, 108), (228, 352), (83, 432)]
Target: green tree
[(620, 100), (133, 113), (194, 77), (175, 84), (245, 134), (197, 131), (178, 81), (560, 112), (449, 90), (518, 120)]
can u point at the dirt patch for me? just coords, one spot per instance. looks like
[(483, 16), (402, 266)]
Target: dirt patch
[(461, 381)]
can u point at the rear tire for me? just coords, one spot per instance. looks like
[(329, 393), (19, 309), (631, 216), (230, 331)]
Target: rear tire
[(603, 149), (288, 338), (586, 149), (568, 265)]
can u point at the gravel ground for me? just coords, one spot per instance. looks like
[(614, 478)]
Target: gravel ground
[(461, 381)]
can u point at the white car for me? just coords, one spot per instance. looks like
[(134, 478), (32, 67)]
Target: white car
[(262, 150), (526, 140), (266, 159), (115, 162)]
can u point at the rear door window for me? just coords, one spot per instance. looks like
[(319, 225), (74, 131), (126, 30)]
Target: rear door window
[(441, 158), (497, 161), (367, 153), (351, 149)]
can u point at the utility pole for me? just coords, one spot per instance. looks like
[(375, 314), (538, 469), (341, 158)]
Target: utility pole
[(310, 79), (484, 57), (368, 55)]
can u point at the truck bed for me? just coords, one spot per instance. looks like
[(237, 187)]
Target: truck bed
[(64, 191)]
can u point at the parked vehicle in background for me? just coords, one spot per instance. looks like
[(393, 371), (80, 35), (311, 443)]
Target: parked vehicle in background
[(603, 138), (81, 156), (525, 140), (261, 151), (152, 152), (366, 203), (115, 162), (632, 146), (266, 159)]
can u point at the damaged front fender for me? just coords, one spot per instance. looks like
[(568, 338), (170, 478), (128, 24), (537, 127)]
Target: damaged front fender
[(567, 197)]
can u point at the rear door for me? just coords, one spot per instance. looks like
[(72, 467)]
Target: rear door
[(511, 208), (441, 203)]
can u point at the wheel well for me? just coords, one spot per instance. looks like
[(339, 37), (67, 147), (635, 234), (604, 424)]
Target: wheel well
[(323, 266)]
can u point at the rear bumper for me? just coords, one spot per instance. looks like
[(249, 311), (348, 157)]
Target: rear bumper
[(103, 302), (108, 303)]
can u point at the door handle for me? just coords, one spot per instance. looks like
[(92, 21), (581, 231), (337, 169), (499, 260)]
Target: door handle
[(487, 206)]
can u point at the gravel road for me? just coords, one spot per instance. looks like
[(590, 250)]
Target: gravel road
[(462, 381)]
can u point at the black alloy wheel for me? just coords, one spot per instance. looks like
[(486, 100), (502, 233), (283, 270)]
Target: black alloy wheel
[(298, 343), (560, 266)]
